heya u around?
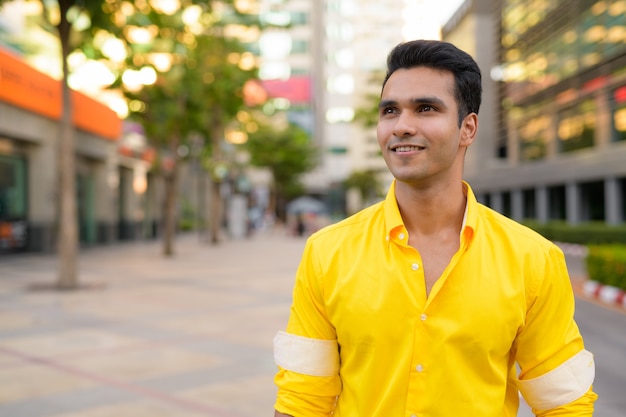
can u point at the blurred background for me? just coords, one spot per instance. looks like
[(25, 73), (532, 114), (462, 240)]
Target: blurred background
[(138, 121), (215, 116)]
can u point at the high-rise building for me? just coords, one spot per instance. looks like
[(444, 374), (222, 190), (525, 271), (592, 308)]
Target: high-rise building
[(340, 47), (558, 146)]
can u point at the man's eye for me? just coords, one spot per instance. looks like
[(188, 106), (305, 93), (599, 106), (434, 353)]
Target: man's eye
[(426, 108), (387, 110)]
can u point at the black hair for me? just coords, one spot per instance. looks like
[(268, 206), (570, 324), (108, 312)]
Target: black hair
[(441, 56)]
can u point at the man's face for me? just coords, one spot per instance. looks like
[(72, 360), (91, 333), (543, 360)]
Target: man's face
[(418, 130)]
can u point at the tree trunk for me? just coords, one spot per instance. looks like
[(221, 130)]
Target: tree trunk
[(216, 211), (171, 195), (215, 216), (67, 234)]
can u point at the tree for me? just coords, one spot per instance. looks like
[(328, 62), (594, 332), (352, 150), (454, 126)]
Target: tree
[(366, 182), (287, 153), (56, 16), (367, 114), (199, 74), (220, 95), (168, 119)]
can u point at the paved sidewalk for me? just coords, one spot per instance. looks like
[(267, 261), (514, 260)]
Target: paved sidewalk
[(145, 335), (148, 336)]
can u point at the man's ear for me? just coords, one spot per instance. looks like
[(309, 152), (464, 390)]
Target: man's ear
[(469, 127)]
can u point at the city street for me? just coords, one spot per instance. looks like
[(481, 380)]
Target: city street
[(189, 336)]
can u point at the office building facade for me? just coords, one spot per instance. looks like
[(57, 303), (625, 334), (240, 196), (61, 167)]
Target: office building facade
[(557, 149), (115, 195)]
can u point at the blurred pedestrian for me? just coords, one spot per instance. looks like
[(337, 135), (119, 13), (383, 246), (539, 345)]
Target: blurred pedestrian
[(300, 224), (427, 303)]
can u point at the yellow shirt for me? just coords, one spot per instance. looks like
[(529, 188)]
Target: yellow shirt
[(363, 339)]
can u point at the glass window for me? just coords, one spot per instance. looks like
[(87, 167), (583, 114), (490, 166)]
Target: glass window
[(299, 18), (577, 127), (299, 46), (592, 201), (276, 18), (12, 188), (341, 84), (619, 114), (556, 203), (275, 45), (339, 114), (529, 210), (534, 136)]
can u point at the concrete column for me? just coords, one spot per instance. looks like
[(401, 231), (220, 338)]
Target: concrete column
[(541, 203), (517, 204), (42, 184), (603, 119), (613, 199), (513, 145), (552, 145), (572, 203), (237, 216), (496, 202), (43, 194)]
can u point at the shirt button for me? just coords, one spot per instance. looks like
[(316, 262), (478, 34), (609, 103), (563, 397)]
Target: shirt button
[(419, 368), (423, 317), (415, 267), (401, 236)]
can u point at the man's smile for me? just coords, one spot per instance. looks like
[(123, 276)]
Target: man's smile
[(408, 148)]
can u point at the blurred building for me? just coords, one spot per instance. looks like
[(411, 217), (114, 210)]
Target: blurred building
[(557, 74), (112, 185), (120, 189), (338, 49)]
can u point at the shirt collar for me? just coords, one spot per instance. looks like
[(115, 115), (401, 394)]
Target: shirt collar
[(395, 225)]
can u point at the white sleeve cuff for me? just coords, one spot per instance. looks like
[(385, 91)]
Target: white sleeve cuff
[(562, 385), (306, 356)]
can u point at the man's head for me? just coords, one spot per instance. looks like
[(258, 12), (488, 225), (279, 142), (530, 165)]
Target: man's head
[(441, 56)]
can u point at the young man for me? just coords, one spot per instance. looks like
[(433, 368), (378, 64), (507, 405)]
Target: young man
[(427, 303)]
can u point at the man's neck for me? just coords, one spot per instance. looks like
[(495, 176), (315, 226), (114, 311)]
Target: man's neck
[(431, 210)]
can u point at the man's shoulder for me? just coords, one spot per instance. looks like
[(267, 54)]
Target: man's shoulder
[(513, 231)]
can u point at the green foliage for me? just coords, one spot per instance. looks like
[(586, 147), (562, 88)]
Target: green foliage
[(287, 153), (187, 218), (584, 233), (201, 91), (367, 114), (606, 264), (367, 182)]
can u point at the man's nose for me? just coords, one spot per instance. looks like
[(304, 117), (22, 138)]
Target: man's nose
[(406, 125)]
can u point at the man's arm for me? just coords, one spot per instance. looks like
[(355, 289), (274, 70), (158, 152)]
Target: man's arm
[(556, 372), (307, 353), (277, 414)]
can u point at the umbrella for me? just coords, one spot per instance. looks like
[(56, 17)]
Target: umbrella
[(306, 204)]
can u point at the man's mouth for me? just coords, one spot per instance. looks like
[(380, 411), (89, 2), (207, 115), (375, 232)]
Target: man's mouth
[(408, 148)]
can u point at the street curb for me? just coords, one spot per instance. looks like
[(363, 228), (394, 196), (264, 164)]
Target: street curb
[(605, 293)]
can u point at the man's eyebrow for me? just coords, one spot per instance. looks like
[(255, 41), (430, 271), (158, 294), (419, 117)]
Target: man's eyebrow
[(429, 100), (387, 103), (417, 100)]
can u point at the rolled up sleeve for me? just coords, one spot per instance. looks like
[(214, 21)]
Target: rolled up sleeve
[(556, 372), (307, 353)]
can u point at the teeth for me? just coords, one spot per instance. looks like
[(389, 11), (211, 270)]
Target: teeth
[(407, 148)]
